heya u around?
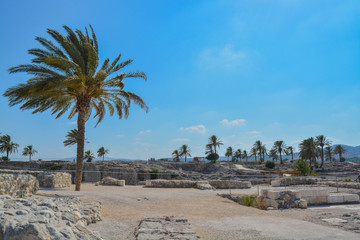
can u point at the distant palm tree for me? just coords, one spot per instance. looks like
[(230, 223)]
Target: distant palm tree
[(29, 151), (229, 152), (279, 147), (254, 152), (273, 154), (258, 146), (245, 155), (339, 150), (185, 151), (102, 152), (321, 141), (209, 149), (89, 156), (328, 153), (290, 151), (67, 77), (6, 145), (176, 155), (308, 150), (264, 151), (215, 142), (238, 154)]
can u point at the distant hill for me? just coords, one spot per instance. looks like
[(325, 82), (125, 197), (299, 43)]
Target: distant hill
[(100, 159)]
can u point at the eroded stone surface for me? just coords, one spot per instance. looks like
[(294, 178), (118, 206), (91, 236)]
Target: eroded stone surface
[(165, 228), (18, 185), (54, 180), (112, 181)]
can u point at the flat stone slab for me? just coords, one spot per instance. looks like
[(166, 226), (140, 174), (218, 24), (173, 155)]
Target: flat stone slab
[(334, 221), (165, 228)]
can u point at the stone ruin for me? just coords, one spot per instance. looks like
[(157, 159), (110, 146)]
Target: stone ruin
[(203, 185), (166, 228), (289, 181), (111, 181), (18, 185)]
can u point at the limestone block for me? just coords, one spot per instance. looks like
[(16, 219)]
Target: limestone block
[(332, 198), (54, 180), (18, 185), (318, 200), (112, 181), (351, 198), (275, 183)]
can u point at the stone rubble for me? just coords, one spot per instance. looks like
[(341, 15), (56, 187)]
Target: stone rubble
[(47, 219), (165, 228), (111, 181), (18, 185)]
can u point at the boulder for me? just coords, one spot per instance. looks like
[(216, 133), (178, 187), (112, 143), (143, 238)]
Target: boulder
[(54, 180), (112, 181)]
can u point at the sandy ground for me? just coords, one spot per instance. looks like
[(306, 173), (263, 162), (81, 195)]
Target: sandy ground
[(214, 217)]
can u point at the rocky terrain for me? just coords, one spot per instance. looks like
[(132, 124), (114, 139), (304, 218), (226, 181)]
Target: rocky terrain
[(51, 218)]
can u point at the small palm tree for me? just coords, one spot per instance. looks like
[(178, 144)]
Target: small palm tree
[(339, 150), (245, 155), (254, 152), (258, 146), (273, 155), (280, 147), (229, 152), (6, 145), (67, 77), (238, 154), (321, 141), (263, 151), (29, 151), (102, 152), (176, 155), (290, 151), (185, 151), (89, 156), (215, 142), (308, 150), (328, 153)]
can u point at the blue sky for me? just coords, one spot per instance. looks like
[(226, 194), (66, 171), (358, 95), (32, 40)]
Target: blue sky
[(243, 70)]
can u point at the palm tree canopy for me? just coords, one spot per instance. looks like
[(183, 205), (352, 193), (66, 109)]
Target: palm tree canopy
[(89, 155), (29, 150), (176, 155), (6, 145), (67, 76), (229, 152), (185, 151), (339, 150), (102, 152), (289, 150), (209, 149), (279, 146), (322, 141), (215, 142), (308, 149), (71, 137)]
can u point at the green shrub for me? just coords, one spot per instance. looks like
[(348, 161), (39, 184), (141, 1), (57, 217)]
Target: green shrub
[(260, 162), (154, 173), (347, 180), (342, 159), (269, 164), (304, 168), (247, 200), (5, 159), (213, 157), (56, 166)]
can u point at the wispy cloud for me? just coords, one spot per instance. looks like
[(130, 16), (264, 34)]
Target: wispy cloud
[(144, 132), (180, 140), (195, 129), (225, 57), (236, 122)]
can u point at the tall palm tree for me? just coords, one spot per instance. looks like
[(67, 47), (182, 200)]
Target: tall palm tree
[(321, 141), (258, 146), (229, 152), (6, 145), (176, 155), (339, 150), (215, 142), (89, 156), (102, 152), (328, 153), (185, 151), (254, 152), (29, 151), (279, 147), (66, 76), (290, 150), (245, 155), (308, 150)]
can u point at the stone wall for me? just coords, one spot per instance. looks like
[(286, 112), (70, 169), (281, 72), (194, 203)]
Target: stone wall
[(229, 184), (280, 199), (161, 183), (18, 185), (288, 181), (204, 185), (54, 180), (47, 219), (343, 184)]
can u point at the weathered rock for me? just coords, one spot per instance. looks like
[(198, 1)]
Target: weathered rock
[(18, 185), (54, 180), (112, 181)]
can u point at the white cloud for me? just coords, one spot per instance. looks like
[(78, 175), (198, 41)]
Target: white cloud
[(180, 140), (236, 122), (254, 132), (195, 129), (225, 57), (144, 132)]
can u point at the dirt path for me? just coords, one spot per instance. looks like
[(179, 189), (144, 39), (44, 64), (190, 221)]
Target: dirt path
[(213, 217)]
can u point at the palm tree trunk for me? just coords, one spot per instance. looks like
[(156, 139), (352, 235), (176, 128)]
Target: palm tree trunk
[(103, 157), (281, 162), (322, 156), (80, 144), (7, 155), (29, 157), (292, 156)]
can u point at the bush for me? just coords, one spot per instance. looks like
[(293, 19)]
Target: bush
[(347, 180), (304, 168), (342, 159), (269, 164), (56, 166), (213, 157), (247, 200), (260, 162), (154, 174), (5, 159)]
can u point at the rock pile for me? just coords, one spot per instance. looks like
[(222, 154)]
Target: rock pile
[(166, 228), (54, 180), (18, 185), (47, 219)]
